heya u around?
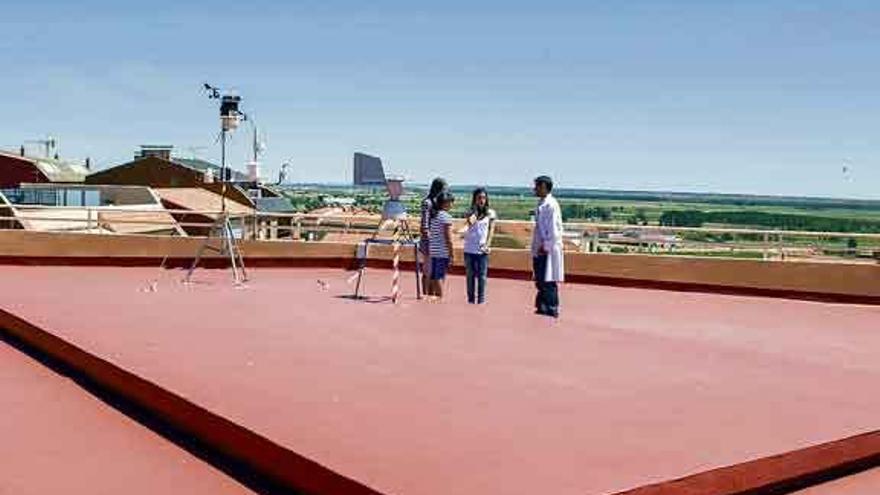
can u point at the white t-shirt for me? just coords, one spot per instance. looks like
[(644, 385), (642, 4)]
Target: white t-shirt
[(438, 247), (477, 234)]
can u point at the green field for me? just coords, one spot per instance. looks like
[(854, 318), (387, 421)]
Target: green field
[(672, 209)]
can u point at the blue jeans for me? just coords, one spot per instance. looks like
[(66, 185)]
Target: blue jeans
[(547, 298), (439, 266), (476, 271)]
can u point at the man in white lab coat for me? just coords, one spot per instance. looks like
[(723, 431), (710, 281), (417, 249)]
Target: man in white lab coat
[(547, 257)]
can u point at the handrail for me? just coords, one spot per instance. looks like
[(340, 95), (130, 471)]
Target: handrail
[(769, 244), (372, 221), (375, 218)]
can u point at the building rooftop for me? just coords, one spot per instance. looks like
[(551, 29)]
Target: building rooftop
[(54, 169), (204, 165), (105, 209), (274, 205), (198, 199), (629, 388)]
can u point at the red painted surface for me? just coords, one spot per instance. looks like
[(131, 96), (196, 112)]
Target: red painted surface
[(348, 263), (630, 387), (272, 464), (56, 438), (14, 170), (866, 483)]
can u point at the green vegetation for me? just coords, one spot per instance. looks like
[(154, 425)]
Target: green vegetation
[(666, 209), (808, 214), (782, 221)]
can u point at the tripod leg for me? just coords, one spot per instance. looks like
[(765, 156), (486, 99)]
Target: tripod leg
[(418, 271), (357, 287), (409, 237), (199, 253), (244, 277), (235, 256), (229, 240)]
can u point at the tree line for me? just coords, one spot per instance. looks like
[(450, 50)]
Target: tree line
[(783, 221)]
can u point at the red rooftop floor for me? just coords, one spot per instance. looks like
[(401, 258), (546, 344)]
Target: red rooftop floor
[(630, 387), (58, 439)]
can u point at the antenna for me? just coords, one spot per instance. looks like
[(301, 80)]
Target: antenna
[(258, 146), (50, 145)]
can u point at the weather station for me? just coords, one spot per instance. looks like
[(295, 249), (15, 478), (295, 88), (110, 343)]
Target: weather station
[(221, 236)]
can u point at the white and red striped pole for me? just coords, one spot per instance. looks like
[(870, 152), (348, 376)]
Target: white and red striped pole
[(395, 276)]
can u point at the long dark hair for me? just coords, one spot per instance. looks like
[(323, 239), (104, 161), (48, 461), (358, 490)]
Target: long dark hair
[(481, 211), (438, 185), (440, 200)]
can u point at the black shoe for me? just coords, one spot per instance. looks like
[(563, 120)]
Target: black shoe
[(547, 312)]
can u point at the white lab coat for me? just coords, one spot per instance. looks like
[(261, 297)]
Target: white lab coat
[(548, 233)]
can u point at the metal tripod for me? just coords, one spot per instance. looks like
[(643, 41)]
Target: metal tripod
[(221, 230), (402, 235)]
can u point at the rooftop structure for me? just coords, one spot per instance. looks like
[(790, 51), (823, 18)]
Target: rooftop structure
[(368, 170), (16, 169), (205, 206), (160, 151), (105, 209)]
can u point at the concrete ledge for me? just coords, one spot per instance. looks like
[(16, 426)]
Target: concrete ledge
[(829, 282), (272, 463), (778, 474)]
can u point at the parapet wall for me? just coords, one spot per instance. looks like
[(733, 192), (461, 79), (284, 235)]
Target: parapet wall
[(840, 282)]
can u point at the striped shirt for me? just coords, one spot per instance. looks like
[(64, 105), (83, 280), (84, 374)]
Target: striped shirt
[(438, 246), (425, 225)]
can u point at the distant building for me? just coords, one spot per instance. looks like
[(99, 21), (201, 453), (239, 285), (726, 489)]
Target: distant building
[(339, 201), (642, 237), (161, 151), (17, 169), (88, 209), (368, 170), (154, 166)]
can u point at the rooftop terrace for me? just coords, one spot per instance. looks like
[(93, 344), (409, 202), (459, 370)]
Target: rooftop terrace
[(630, 390)]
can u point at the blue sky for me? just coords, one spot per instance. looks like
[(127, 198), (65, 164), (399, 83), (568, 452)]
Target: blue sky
[(769, 97)]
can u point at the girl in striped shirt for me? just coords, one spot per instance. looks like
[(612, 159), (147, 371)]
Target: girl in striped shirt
[(441, 243)]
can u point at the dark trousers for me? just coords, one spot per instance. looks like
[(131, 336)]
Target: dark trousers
[(476, 269), (547, 299)]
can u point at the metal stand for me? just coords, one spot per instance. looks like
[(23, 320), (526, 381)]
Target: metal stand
[(402, 235), (221, 230)]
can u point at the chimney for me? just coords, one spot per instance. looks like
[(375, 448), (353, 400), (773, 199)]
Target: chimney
[(21, 150), (159, 151), (88, 163)]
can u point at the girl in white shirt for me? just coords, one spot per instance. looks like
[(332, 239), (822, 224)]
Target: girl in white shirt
[(477, 242)]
